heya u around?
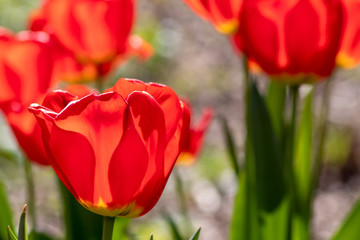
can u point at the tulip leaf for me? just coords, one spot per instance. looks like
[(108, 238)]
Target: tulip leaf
[(268, 161), (196, 235), (39, 236), (350, 229), (5, 216), (275, 102), (11, 235), (120, 225), (23, 226), (266, 171), (80, 223), (240, 228), (174, 228), (230, 145), (303, 172)]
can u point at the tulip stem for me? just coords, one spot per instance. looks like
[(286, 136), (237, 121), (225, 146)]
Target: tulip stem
[(181, 193), (99, 85), (108, 226), (30, 191)]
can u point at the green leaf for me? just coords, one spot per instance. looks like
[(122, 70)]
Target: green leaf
[(275, 101), (173, 227), (152, 237), (303, 173), (268, 160), (39, 236), (240, 221), (10, 234), (6, 215), (80, 223), (196, 235), (230, 146), (120, 226), (350, 229), (271, 190), (23, 226)]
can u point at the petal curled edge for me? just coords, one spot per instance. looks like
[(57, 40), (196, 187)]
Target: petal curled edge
[(164, 95)]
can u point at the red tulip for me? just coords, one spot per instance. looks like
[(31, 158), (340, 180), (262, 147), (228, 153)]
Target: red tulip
[(291, 36), (26, 63), (94, 30), (223, 14), (113, 151), (349, 54), (192, 136), (71, 69)]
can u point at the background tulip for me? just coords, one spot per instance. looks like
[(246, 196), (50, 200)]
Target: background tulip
[(98, 38), (69, 68), (291, 37), (113, 151), (192, 135), (26, 65), (224, 15)]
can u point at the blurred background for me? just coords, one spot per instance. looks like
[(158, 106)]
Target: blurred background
[(200, 65)]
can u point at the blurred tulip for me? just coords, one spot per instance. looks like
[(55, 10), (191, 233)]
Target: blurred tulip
[(26, 64), (192, 136), (223, 14), (291, 37), (94, 30), (349, 54), (113, 151), (71, 69)]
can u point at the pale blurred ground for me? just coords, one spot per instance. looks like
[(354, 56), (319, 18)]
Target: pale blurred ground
[(200, 64)]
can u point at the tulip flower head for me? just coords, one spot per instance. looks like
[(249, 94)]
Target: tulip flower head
[(192, 136), (26, 67), (94, 30), (291, 37), (223, 14), (69, 66), (113, 151)]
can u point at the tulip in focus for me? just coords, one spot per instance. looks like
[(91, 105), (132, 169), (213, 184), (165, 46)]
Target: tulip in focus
[(192, 135), (291, 37), (349, 54), (113, 151), (223, 14), (26, 66)]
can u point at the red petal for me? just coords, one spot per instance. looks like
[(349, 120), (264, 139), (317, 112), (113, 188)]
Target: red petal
[(100, 119)]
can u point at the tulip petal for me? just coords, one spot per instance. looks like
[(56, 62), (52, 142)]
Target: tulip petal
[(97, 118)]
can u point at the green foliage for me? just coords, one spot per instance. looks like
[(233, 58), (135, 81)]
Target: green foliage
[(80, 223), (173, 227), (230, 146), (350, 229), (120, 226), (196, 235), (303, 173), (5, 216)]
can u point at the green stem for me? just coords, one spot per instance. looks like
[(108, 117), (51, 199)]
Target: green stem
[(108, 226), (182, 197), (289, 157), (30, 191), (289, 151), (99, 85)]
